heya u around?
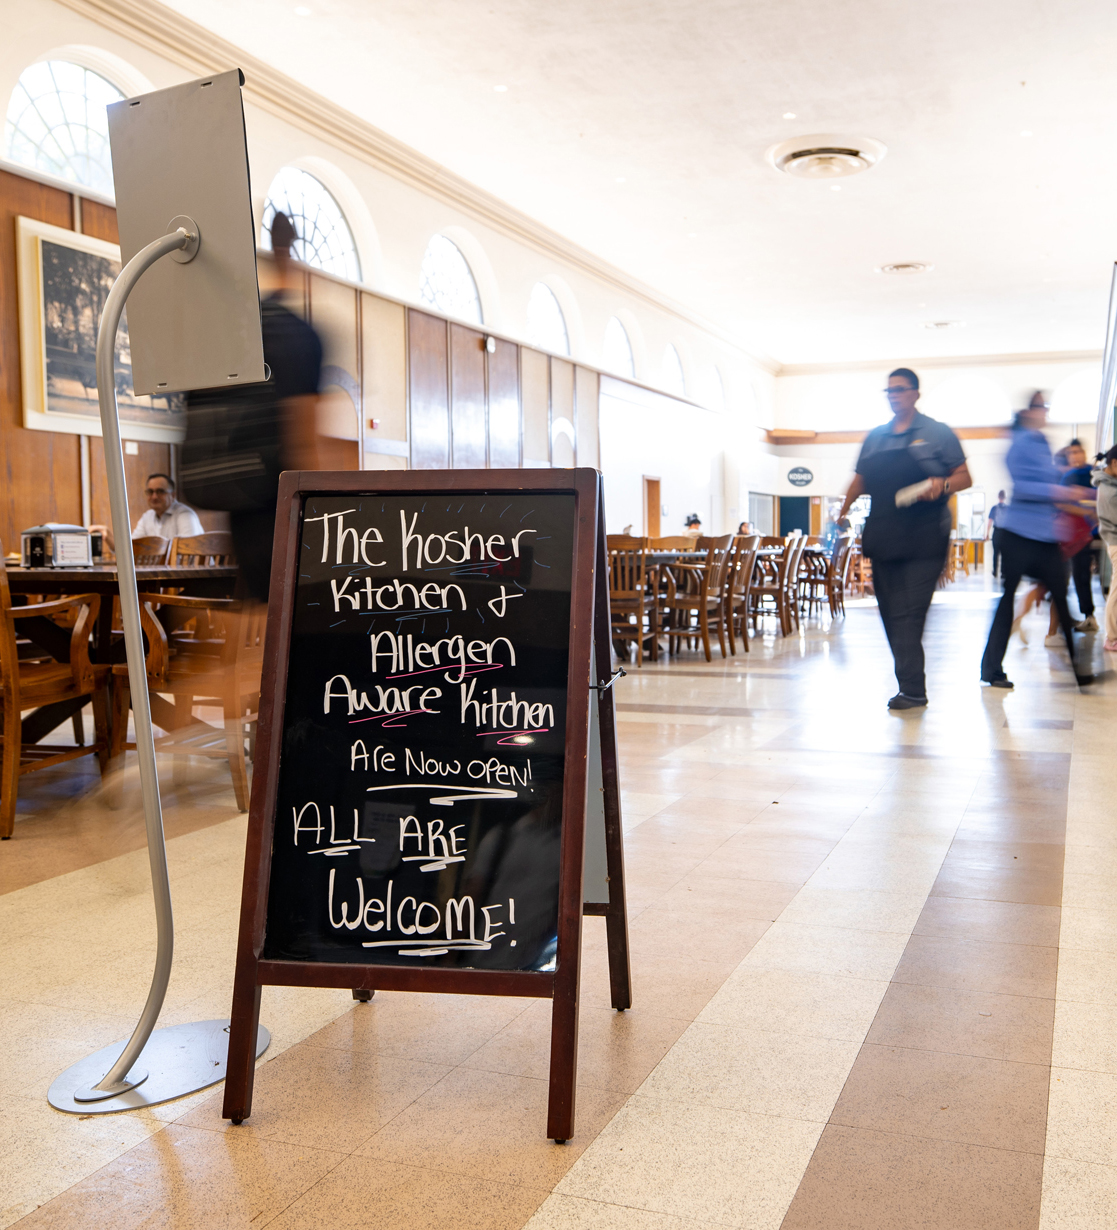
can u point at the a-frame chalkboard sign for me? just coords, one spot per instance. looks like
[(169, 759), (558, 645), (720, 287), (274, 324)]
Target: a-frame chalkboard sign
[(424, 815)]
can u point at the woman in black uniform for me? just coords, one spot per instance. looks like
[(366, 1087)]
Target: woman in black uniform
[(908, 532)]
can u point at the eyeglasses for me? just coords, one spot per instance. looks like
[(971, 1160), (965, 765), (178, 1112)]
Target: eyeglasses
[(906, 388), (157, 491)]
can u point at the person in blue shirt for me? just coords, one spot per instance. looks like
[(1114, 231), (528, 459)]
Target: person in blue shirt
[(1030, 546), (993, 528)]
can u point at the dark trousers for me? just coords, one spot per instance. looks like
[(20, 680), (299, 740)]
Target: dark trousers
[(1025, 557), (904, 588), (998, 539), (1082, 570)]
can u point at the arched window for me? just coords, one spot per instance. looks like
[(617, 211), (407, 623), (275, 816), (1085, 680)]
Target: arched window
[(57, 123), (446, 282), (617, 352), (673, 379), (324, 238), (546, 325)]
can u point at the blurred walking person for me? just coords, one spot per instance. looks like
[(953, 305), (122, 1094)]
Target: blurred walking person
[(910, 468), (993, 528), (1031, 538), (1105, 480)]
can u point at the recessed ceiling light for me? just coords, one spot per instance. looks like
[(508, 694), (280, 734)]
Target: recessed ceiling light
[(835, 187), (943, 324), (620, 179), (906, 267), (1026, 133), (825, 155), (500, 89), (692, 234), (789, 115), (301, 10)]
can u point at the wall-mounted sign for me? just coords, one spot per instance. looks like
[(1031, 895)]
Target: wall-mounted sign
[(800, 476)]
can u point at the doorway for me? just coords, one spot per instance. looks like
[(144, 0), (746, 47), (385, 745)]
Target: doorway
[(795, 514), (652, 507)]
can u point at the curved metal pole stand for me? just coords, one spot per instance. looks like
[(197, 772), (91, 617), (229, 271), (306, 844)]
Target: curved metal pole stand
[(87, 1087)]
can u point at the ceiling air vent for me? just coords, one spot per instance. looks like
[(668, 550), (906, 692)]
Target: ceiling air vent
[(906, 267), (825, 156)]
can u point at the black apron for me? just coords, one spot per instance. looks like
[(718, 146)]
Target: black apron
[(920, 531)]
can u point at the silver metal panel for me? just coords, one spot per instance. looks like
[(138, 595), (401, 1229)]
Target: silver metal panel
[(175, 152), (595, 873)]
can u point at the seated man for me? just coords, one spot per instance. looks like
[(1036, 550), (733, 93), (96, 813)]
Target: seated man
[(165, 516)]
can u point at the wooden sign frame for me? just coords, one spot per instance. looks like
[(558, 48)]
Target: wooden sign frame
[(588, 673)]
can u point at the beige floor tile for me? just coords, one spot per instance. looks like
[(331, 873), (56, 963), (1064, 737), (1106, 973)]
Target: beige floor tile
[(45, 1151), (573, 1213), (811, 1004), (1082, 1116), (186, 1177), (616, 1050), (729, 1167), (325, 1098), (828, 950), (860, 909), (755, 1070), (493, 1126), (1087, 977), (365, 1192), (438, 1029), (1085, 1036), (1077, 1195), (1094, 930)]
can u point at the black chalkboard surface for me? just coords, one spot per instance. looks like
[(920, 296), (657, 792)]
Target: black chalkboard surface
[(420, 793), (435, 640)]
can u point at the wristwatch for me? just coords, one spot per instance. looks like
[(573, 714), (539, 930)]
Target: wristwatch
[(946, 486)]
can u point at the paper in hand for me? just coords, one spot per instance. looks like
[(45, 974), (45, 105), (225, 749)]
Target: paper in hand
[(909, 495)]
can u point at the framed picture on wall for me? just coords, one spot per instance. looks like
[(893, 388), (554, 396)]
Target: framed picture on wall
[(64, 280)]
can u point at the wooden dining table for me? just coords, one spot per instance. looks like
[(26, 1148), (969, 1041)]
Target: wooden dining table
[(204, 582)]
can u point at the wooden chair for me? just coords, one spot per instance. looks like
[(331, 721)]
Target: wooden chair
[(678, 542), (203, 550), (632, 608), (218, 666), (780, 583), (837, 575), (42, 680), (739, 588), (152, 551), (695, 596), (814, 568)]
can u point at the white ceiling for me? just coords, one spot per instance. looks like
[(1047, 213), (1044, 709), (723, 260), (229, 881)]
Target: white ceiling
[(681, 101)]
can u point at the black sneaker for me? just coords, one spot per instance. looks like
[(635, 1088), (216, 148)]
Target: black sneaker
[(900, 701), (1002, 681)]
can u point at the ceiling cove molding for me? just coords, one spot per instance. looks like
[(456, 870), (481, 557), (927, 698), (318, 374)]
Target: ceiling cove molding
[(958, 360), (191, 46)]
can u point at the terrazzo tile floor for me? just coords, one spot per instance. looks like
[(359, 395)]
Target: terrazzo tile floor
[(874, 969)]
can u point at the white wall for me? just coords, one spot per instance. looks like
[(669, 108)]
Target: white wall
[(648, 434)]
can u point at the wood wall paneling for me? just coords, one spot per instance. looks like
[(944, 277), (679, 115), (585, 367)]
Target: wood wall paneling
[(467, 398), (535, 391), (149, 458), (41, 470), (562, 413), (333, 315), (427, 372), (383, 372), (586, 388), (99, 221), (504, 406)]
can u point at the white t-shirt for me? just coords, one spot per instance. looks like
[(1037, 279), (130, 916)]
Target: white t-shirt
[(177, 522)]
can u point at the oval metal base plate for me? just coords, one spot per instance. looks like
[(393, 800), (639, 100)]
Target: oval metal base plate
[(180, 1059)]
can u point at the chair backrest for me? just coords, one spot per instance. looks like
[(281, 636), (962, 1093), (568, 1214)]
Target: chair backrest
[(843, 558), (718, 553), (792, 554), (743, 566), (203, 550), (679, 542), (627, 567), (771, 542), (153, 550)]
